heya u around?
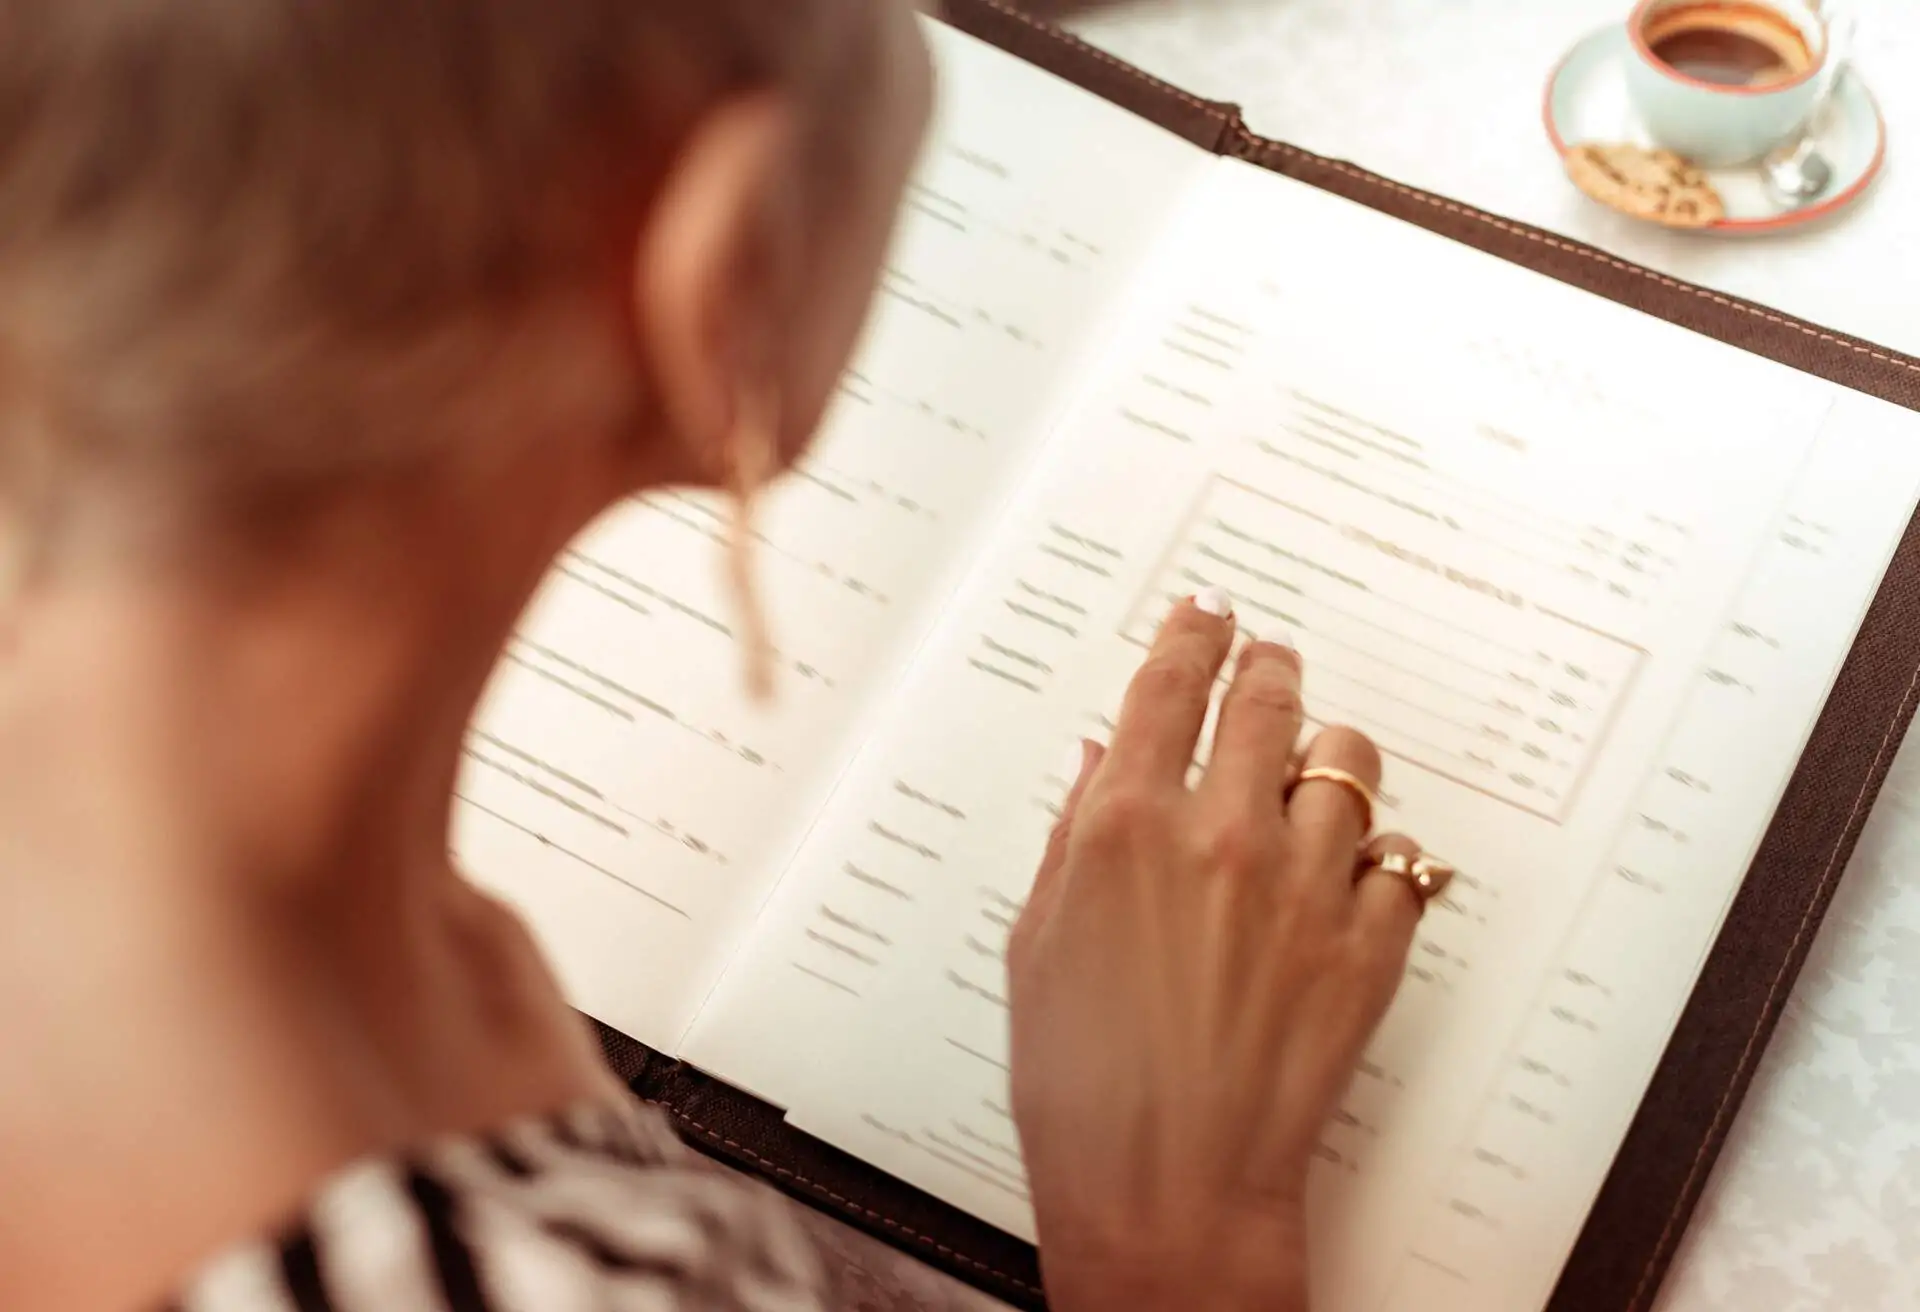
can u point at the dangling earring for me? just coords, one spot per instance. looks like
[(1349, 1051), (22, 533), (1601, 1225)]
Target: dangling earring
[(752, 457)]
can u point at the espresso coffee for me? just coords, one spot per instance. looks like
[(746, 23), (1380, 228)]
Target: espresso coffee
[(1729, 44)]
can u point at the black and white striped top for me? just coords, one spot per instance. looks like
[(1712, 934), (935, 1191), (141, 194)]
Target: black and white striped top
[(597, 1210)]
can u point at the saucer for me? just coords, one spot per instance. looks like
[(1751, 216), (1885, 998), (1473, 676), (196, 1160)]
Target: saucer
[(1587, 101)]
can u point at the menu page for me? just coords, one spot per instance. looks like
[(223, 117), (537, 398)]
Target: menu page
[(620, 789), (1584, 576)]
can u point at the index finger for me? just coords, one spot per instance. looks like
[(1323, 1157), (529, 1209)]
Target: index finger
[(1166, 704)]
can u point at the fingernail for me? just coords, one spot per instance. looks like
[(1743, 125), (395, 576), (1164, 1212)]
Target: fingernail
[(1215, 602), (1282, 636)]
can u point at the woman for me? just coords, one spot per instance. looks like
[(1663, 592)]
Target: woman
[(322, 329)]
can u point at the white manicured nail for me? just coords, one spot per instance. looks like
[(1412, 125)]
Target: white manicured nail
[(1215, 602), (1282, 637), (1073, 762)]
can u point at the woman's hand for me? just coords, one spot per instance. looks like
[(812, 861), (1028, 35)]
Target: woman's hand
[(1194, 979)]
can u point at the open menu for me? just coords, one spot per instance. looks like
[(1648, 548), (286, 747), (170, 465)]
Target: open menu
[(1586, 578)]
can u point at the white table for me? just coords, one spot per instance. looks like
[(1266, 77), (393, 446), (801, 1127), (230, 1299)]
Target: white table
[(1816, 1202)]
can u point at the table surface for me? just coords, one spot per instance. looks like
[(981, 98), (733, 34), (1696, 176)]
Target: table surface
[(1816, 1201)]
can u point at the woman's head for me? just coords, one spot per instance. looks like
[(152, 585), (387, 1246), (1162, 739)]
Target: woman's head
[(255, 251)]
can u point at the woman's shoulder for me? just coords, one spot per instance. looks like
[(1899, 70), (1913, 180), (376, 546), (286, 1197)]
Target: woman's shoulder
[(596, 1208)]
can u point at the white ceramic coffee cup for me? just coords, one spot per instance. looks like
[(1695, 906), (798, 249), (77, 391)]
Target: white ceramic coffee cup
[(1715, 125)]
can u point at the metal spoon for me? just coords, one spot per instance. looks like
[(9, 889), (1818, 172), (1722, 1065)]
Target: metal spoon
[(1797, 172)]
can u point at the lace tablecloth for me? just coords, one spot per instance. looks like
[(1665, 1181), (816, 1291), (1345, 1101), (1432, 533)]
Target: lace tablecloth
[(1816, 1202)]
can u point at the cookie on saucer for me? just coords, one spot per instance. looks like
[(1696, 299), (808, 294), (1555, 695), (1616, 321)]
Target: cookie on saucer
[(1646, 184)]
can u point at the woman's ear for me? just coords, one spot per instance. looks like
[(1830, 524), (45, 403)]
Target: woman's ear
[(714, 268)]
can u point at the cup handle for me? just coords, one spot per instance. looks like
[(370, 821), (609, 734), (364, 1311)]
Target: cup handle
[(1842, 21)]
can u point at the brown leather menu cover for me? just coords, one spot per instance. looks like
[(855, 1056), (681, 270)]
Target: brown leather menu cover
[(1636, 1223)]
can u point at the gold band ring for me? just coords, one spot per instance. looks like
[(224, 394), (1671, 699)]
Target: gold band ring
[(1427, 876), (1353, 783)]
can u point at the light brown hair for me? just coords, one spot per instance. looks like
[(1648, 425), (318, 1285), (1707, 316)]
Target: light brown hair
[(256, 243)]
